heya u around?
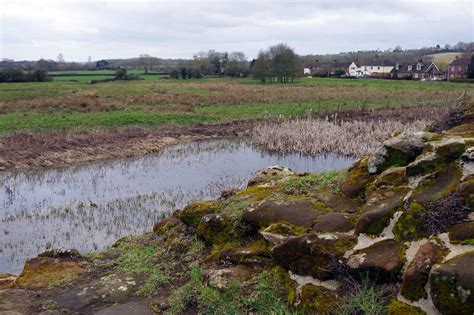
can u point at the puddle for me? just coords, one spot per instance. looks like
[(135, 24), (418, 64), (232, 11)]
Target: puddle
[(88, 207)]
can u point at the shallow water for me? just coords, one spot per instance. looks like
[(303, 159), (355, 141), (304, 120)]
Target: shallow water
[(88, 207)]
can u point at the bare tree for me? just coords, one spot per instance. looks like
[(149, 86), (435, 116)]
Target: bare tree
[(146, 62), (60, 58)]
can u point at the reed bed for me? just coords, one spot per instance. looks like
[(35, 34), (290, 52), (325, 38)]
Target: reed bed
[(319, 136)]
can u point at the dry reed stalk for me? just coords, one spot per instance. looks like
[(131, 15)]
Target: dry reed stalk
[(318, 136)]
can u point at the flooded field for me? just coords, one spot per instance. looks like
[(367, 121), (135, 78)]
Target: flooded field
[(88, 207)]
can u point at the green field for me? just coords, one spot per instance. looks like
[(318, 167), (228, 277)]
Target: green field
[(156, 102)]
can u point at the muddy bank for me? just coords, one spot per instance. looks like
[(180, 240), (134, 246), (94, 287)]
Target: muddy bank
[(23, 150)]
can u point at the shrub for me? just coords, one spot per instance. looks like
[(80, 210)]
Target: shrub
[(320, 75), (440, 215), (121, 74)]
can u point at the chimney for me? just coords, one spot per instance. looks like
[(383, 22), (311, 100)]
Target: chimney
[(376, 56)]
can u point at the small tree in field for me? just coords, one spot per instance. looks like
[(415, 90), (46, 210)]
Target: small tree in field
[(146, 62)]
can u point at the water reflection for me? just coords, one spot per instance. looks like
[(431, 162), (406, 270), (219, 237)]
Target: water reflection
[(90, 206)]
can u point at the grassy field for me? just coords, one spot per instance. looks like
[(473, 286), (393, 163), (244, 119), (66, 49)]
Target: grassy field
[(62, 105)]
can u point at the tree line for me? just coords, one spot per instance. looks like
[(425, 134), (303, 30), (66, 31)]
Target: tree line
[(17, 75)]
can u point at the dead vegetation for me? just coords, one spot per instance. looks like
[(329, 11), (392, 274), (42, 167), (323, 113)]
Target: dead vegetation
[(25, 150), (352, 132)]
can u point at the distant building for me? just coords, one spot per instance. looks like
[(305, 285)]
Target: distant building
[(458, 68), (356, 70), (378, 68), (381, 68), (327, 68), (417, 70)]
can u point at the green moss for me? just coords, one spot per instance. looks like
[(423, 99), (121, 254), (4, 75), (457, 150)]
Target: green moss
[(399, 308), (357, 178), (395, 158), (286, 283), (285, 229), (217, 231), (316, 298), (409, 227), (192, 214)]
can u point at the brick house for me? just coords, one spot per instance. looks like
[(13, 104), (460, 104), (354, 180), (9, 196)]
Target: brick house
[(458, 68), (417, 71)]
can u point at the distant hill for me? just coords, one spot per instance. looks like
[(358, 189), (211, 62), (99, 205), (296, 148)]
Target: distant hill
[(442, 55), (442, 60)]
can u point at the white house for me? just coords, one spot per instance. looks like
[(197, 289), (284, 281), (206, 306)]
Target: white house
[(376, 67)]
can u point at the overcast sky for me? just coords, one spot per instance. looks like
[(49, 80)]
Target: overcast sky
[(177, 29)]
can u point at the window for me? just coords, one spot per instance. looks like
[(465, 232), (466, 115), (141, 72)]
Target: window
[(418, 67), (453, 69), (409, 68), (378, 68), (459, 69)]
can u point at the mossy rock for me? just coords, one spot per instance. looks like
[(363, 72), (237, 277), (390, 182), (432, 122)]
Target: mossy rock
[(452, 285), (462, 233), (255, 253), (356, 180), (45, 271), (397, 151), (215, 229), (439, 186), (312, 255), (166, 225), (399, 308), (257, 193), (450, 148), (380, 207), (337, 202), (192, 214), (394, 176), (409, 226), (426, 163), (332, 222), (417, 273), (278, 233), (382, 261), (299, 213), (269, 175), (318, 300)]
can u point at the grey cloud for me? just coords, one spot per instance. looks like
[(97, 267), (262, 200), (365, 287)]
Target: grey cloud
[(171, 29)]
